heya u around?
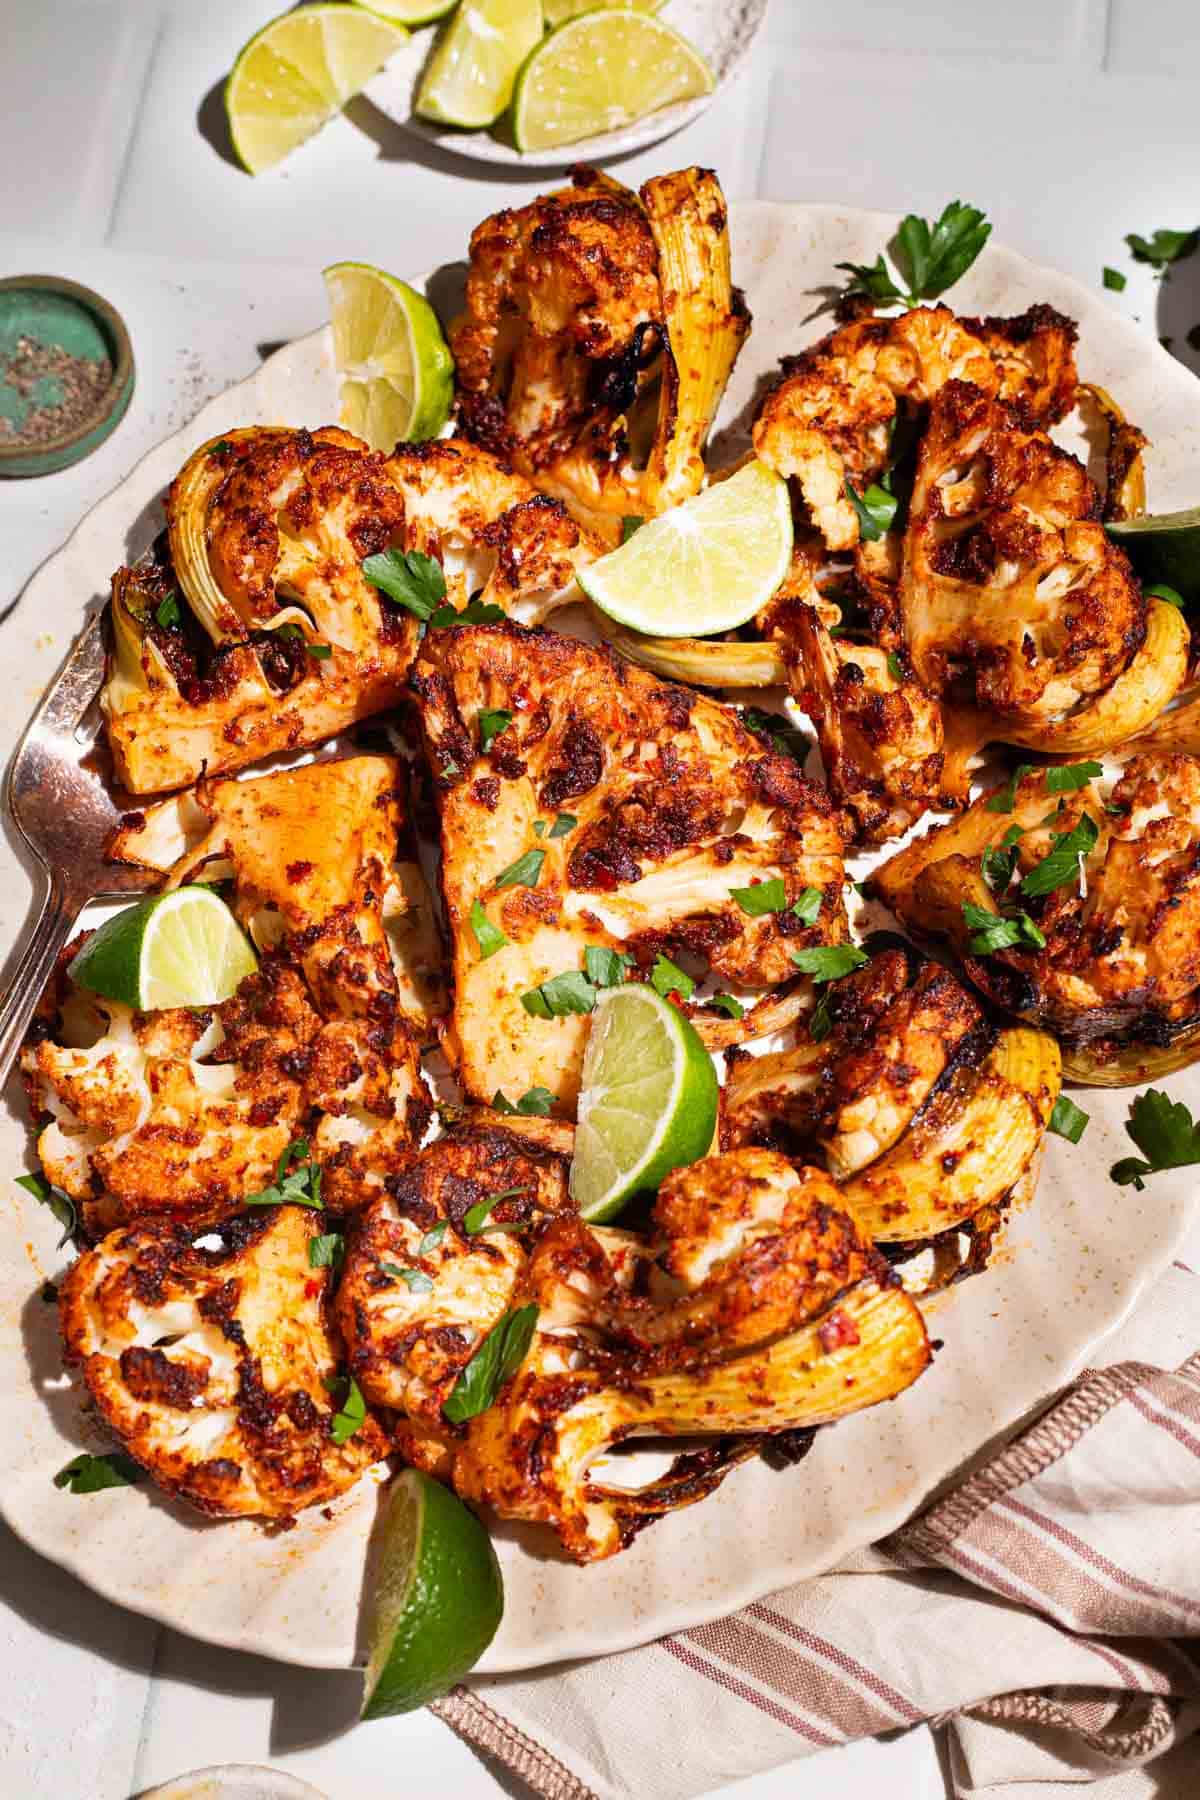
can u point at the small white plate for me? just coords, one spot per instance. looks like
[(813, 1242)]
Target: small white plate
[(722, 31)]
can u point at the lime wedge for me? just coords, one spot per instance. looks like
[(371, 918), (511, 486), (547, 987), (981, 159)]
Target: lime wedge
[(600, 71), (179, 949), (1164, 548), (557, 12), (469, 80), (648, 1101), (438, 1597), (394, 366), (705, 566), (410, 12), (298, 72)]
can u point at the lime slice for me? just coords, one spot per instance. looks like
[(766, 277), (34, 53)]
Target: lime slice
[(1163, 548), (600, 71), (394, 366), (557, 12), (705, 566), (410, 12), (179, 949), (438, 1597), (298, 72), (469, 80), (648, 1101)]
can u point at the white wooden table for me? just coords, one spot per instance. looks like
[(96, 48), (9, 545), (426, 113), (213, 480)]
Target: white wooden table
[(1070, 121)]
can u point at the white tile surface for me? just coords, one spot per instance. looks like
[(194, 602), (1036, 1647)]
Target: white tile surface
[(1038, 29)]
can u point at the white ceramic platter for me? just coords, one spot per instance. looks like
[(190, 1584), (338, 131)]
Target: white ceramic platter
[(722, 31), (1073, 1264)]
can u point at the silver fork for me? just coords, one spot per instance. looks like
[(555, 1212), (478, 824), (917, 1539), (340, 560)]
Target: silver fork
[(66, 814)]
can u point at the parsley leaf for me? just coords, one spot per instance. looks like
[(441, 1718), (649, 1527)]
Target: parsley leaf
[(476, 1217), (1071, 777), (408, 577), (992, 933), (779, 731), (433, 1237), (1163, 249), (808, 907), (499, 1356), (564, 823), (762, 897), (1166, 1134), (534, 1104), (874, 280), (1005, 798), (489, 937), (876, 509), (491, 724), (933, 260), (1114, 281), (524, 872), (999, 861), (61, 1205), (895, 667), (86, 1474), (820, 1020), (1160, 591), (322, 652), (1064, 862), (605, 968), (570, 992), (167, 613), (353, 1411), (727, 1004), (667, 978), (630, 523), (475, 612), (827, 962), (326, 1252), (1068, 1120), (415, 1280), (297, 1180)]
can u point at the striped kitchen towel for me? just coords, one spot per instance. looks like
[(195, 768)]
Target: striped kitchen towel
[(1044, 1614)]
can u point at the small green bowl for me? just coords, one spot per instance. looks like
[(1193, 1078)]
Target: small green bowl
[(63, 315)]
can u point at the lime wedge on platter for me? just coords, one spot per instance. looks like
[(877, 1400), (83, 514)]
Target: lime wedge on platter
[(647, 1104), (297, 72), (179, 949), (1163, 547), (600, 71), (469, 80), (394, 366), (557, 12), (410, 12)]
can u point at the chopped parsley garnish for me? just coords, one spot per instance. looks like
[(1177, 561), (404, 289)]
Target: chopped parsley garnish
[(828, 962), (491, 724), (320, 651), (1163, 248), (630, 523), (353, 1411), (60, 1205), (895, 667), (410, 578), (1166, 1134), (433, 1237), (930, 258), (86, 1474), (762, 897), (1005, 798), (570, 992), (327, 1251), (476, 1217), (667, 978), (220, 447), (1064, 862), (1071, 777), (167, 613), (524, 872), (564, 823), (499, 1356), (727, 1004), (876, 509), (999, 861), (991, 932), (779, 731), (1114, 281), (820, 1021), (415, 1280), (808, 907), (605, 968), (291, 630), (1068, 1120), (535, 1103), (475, 612), (1160, 591), (297, 1180), (489, 937)]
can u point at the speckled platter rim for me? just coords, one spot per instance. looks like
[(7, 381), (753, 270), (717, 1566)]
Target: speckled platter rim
[(1074, 1262), (723, 30)]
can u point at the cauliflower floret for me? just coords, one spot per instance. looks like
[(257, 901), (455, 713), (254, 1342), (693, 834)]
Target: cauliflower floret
[(213, 1366)]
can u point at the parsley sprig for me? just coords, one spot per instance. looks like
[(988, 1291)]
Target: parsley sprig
[(535, 1103), (1162, 248), (993, 931), (499, 1356), (929, 258), (86, 1474), (410, 578), (1166, 1134), (1064, 863), (297, 1180)]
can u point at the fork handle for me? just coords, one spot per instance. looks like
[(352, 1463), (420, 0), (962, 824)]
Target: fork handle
[(60, 909)]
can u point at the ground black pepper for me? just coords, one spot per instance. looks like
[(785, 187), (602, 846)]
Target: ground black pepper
[(46, 393)]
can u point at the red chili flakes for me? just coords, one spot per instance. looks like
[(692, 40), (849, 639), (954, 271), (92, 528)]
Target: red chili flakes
[(839, 1329)]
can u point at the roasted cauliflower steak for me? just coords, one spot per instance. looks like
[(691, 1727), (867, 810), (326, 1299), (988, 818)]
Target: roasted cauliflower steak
[(635, 809), (755, 1306), (601, 327), (212, 1364)]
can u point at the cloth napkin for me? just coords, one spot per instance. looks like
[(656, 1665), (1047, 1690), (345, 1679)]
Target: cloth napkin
[(1044, 1615)]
